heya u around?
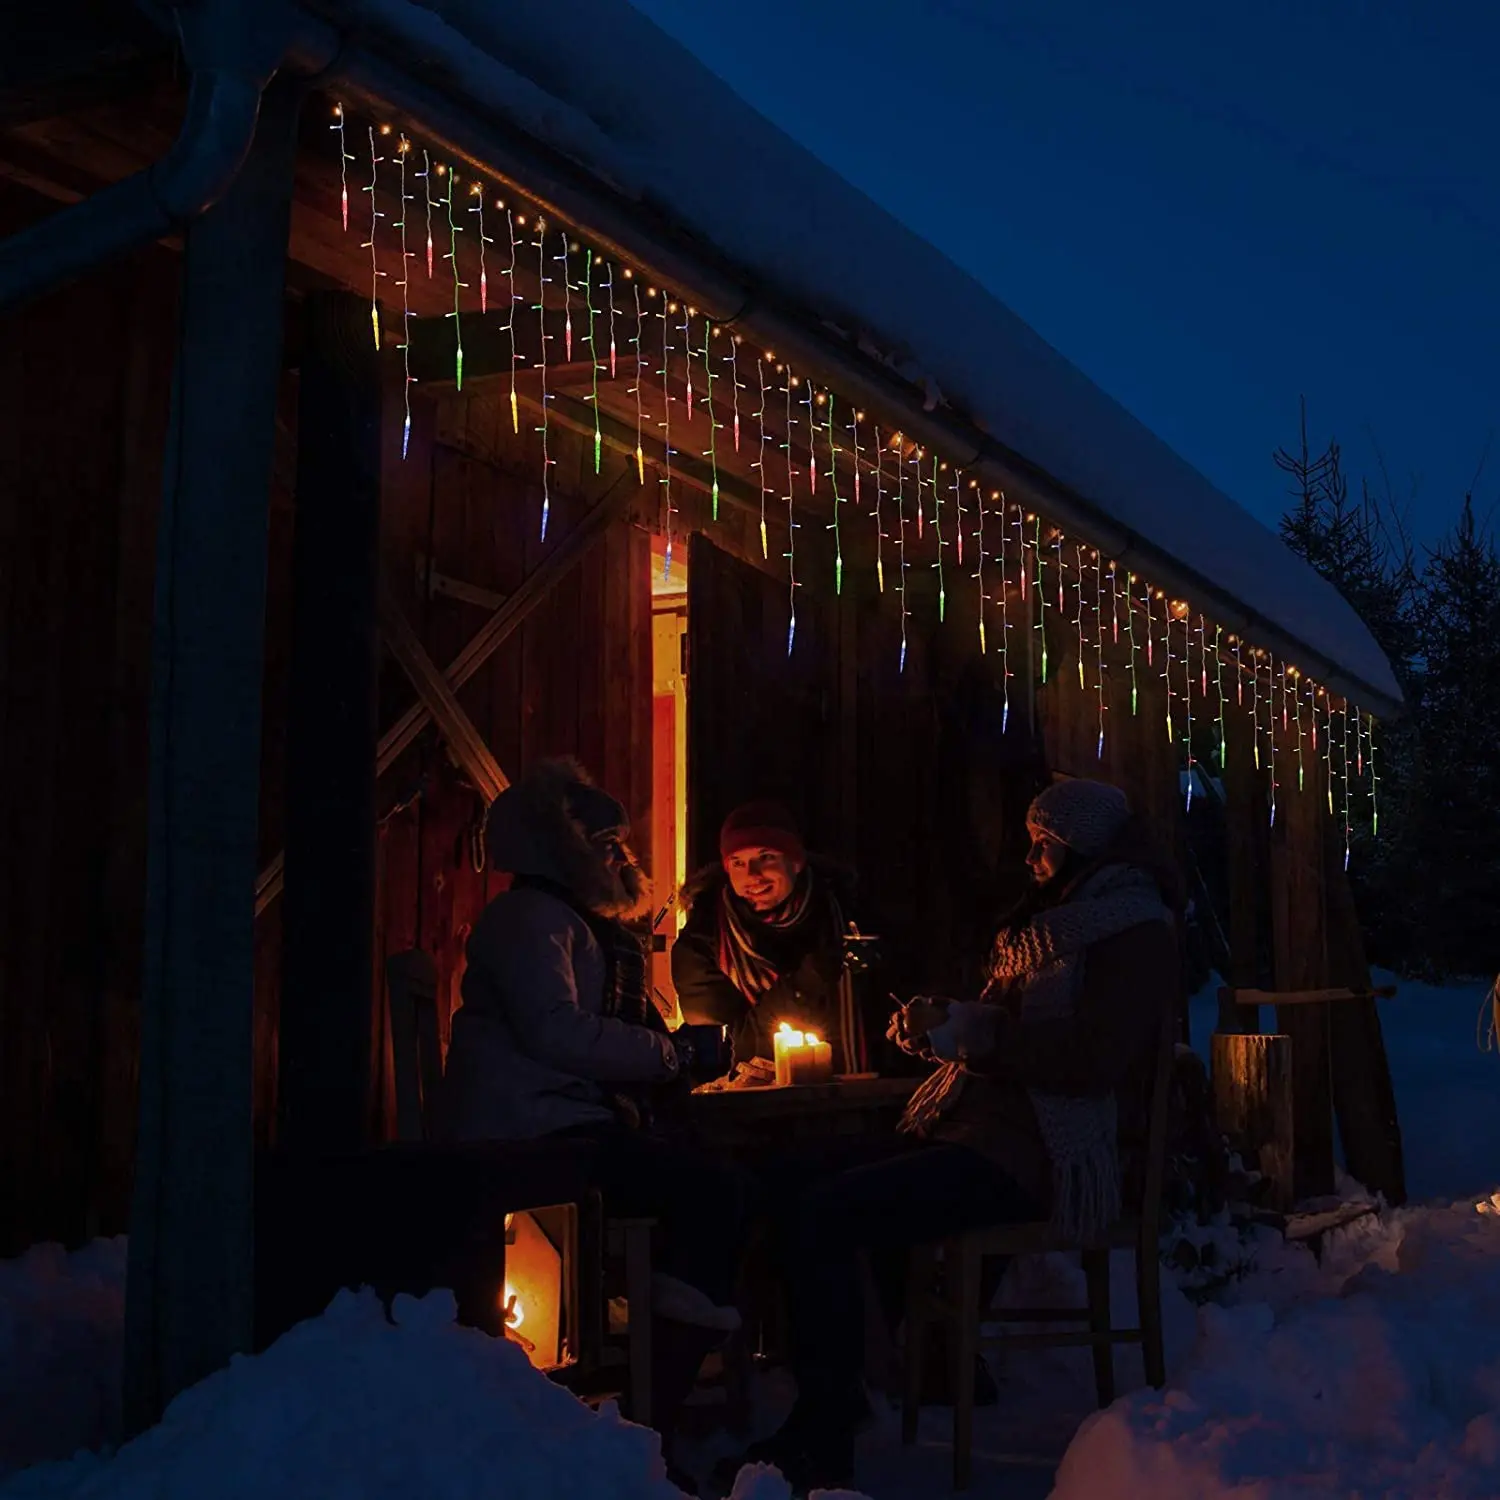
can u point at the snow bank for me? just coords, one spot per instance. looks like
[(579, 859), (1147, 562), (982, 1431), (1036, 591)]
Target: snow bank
[(350, 1404), (61, 1326), (1377, 1373)]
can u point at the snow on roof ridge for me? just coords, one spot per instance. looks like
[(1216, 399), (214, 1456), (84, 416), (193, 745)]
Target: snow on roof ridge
[(600, 82)]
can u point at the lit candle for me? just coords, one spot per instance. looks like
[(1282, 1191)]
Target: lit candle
[(801, 1057)]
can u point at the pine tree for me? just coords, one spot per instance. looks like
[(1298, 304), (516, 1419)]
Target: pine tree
[(1361, 548), (1459, 709)]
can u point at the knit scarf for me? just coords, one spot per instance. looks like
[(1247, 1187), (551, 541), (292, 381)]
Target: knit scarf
[(1044, 959), (753, 974)]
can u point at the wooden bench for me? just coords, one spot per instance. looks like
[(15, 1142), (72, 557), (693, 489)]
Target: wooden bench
[(958, 1305), (411, 985)]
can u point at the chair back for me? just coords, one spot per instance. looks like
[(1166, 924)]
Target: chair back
[(1156, 1131), (416, 1049)]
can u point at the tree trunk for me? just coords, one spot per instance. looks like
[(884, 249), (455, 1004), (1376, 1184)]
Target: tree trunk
[(1252, 1082)]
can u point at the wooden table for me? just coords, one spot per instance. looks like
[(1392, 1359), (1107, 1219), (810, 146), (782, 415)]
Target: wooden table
[(731, 1119)]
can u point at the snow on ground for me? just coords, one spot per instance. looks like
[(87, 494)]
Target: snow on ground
[(1376, 1372), (61, 1327)]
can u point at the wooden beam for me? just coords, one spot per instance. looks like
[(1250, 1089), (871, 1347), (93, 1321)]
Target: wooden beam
[(1304, 997), (325, 1039), (455, 726), (501, 626)]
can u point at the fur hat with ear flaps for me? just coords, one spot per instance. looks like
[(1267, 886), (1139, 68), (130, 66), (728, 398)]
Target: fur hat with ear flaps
[(545, 826)]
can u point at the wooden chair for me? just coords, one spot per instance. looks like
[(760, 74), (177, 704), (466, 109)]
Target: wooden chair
[(417, 1062), (958, 1307)]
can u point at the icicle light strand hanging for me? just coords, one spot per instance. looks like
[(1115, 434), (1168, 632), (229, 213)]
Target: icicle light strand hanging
[(899, 446), (979, 573), (937, 526), (588, 299), (879, 521), (791, 520), (833, 485), (426, 175), (712, 452), (344, 159), (541, 318), (1135, 685), (667, 311), (760, 462), (375, 272), (1099, 651), (635, 390), (458, 285), (1041, 594), (1078, 616), (476, 191), (735, 385), (1004, 617), (512, 297), (958, 509)]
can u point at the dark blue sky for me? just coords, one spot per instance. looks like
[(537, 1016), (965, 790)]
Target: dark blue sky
[(1210, 208)]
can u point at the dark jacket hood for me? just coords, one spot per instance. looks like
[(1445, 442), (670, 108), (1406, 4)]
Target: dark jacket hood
[(534, 829)]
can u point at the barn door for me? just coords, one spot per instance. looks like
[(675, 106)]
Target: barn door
[(761, 722)]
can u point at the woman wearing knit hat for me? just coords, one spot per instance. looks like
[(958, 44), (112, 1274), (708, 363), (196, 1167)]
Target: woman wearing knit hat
[(765, 942), (1040, 1093)]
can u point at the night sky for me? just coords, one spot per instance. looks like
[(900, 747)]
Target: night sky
[(1211, 209)]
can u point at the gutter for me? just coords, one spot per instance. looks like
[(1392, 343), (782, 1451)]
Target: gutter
[(471, 131), (233, 48)]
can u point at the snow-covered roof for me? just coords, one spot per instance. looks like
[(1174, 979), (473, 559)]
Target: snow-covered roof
[(599, 82)]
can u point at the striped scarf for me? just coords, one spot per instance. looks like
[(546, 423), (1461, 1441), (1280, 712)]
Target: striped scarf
[(1045, 959), (753, 974)]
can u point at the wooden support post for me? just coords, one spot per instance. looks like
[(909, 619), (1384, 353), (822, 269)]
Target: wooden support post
[(1252, 1082), (189, 1290), (325, 1077), (1299, 944)]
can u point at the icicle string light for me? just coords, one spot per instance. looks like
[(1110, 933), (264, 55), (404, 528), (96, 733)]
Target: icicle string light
[(1219, 685), (791, 520), (1348, 790), (635, 390), (937, 526), (1004, 617), (1099, 651), (833, 484), (1041, 595), (712, 453), (512, 298), (979, 577), (344, 159), (541, 319), (901, 541), (452, 258), (735, 385), (1280, 695), (665, 424), (588, 299), (958, 508), (477, 191), (610, 313), (375, 272), (403, 149), (760, 462), (426, 175), (1078, 616)]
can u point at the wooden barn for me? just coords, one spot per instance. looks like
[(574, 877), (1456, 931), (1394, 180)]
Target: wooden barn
[(396, 395)]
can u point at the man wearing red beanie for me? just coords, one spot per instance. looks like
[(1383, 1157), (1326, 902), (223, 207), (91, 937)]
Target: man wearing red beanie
[(764, 941)]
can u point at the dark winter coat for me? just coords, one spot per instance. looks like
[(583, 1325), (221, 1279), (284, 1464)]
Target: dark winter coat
[(809, 958), (1130, 983), (534, 1049)]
